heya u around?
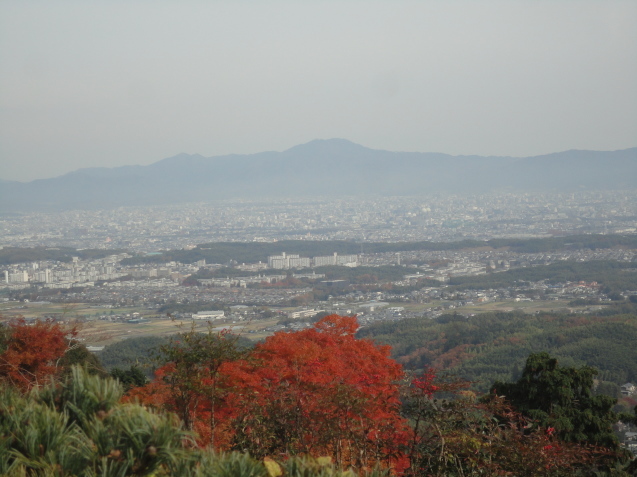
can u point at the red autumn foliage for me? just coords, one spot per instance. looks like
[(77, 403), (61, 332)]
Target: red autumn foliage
[(323, 392), (425, 383), (32, 352), (319, 391), (454, 357)]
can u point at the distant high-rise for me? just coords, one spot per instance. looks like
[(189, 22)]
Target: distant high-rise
[(336, 259), (285, 262)]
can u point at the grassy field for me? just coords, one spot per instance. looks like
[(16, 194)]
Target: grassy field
[(101, 333), (526, 306), (65, 310)]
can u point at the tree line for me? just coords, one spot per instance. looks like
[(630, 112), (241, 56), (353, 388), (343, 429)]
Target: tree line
[(252, 252)]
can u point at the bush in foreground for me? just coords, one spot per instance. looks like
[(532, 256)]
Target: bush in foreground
[(80, 427)]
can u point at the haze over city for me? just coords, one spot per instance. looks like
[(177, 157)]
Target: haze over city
[(346, 238), (110, 84)]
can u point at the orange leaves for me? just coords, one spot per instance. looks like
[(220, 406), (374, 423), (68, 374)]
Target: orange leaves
[(320, 391), (338, 325), (425, 383), (32, 352)]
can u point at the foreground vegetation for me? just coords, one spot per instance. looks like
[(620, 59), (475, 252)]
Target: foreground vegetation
[(302, 403)]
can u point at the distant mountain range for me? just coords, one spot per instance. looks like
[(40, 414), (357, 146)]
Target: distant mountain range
[(333, 167)]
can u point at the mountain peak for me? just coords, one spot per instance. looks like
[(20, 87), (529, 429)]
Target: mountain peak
[(327, 146)]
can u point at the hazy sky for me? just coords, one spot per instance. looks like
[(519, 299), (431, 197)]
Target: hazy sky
[(108, 83)]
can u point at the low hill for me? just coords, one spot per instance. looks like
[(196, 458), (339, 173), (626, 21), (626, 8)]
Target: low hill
[(494, 346), (251, 252)]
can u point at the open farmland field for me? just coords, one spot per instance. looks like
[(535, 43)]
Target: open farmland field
[(526, 306), (66, 311), (99, 332)]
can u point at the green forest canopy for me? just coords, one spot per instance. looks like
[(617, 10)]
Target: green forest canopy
[(494, 346)]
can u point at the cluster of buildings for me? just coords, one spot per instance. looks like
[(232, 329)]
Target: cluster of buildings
[(54, 274), (86, 273), (243, 282), (289, 261)]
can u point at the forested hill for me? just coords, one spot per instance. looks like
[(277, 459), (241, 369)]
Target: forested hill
[(249, 252), (494, 346), (10, 255)]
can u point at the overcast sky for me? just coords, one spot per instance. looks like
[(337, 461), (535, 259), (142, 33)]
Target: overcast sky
[(112, 83)]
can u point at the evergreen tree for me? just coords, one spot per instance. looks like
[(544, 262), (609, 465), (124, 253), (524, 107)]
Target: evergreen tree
[(130, 378), (80, 427), (562, 398)]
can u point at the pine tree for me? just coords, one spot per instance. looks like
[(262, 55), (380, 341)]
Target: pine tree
[(79, 427), (562, 398)]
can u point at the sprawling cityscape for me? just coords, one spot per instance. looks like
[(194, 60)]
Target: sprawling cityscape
[(117, 280), (393, 219)]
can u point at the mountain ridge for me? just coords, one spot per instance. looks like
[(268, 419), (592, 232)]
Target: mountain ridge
[(322, 167)]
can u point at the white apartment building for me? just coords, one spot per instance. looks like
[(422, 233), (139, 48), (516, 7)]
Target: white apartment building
[(208, 315), (285, 261), (336, 259)]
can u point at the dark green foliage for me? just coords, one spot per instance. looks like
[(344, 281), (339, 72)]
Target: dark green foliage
[(77, 354), (562, 398), (607, 388), (133, 351), (9, 255), (5, 334), (572, 242), (223, 252), (130, 378), (197, 359), (487, 347)]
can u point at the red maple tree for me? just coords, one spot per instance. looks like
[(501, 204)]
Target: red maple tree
[(32, 351), (319, 392)]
